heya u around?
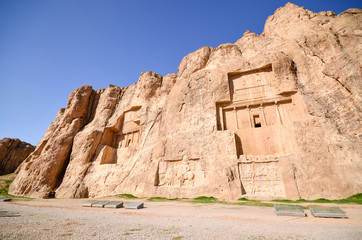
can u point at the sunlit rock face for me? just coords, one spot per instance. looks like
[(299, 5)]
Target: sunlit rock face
[(12, 153), (276, 115)]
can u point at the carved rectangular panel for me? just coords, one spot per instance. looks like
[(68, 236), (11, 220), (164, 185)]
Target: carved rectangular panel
[(131, 121), (251, 85), (180, 173), (243, 118), (261, 176), (229, 116)]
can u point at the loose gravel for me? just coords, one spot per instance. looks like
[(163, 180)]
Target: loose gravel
[(66, 219)]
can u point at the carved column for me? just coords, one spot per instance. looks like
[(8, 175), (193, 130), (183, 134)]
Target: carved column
[(250, 120), (221, 113), (236, 118), (278, 113), (125, 140), (263, 115)]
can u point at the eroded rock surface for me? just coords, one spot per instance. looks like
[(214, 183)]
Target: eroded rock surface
[(276, 115), (12, 153)]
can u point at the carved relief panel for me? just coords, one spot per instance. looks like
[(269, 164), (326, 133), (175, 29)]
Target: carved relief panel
[(186, 172), (251, 84), (261, 176)]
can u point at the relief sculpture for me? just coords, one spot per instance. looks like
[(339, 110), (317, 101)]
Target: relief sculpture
[(185, 172), (261, 176)]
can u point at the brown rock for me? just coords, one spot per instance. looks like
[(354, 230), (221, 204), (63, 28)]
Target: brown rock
[(276, 115), (12, 153), (194, 61)]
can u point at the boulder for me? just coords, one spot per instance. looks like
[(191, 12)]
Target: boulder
[(12, 153)]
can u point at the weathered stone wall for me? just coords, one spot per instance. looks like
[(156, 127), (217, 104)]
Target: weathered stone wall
[(276, 115), (12, 153)]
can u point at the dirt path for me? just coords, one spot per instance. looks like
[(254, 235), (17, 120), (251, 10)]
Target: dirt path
[(66, 219)]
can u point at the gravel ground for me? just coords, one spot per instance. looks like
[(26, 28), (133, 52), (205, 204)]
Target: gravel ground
[(66, 219)]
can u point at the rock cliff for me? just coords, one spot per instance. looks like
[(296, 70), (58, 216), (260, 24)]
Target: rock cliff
[(12, 153), (275, 115)]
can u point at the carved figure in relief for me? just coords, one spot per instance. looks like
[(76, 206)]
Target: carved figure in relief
[(248, 173), (261, 175), (188, 177), (178, 172), (167, 179)]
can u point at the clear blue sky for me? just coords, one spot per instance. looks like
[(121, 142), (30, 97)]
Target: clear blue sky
[(50, 47)]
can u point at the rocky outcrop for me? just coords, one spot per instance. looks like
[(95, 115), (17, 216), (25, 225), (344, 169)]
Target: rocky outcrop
[(276, 115), (12, 153)]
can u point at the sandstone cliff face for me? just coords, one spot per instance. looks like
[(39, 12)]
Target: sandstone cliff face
[(276, 115), (12, 153)]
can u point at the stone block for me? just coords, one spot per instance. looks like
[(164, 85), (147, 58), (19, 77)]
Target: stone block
[(100, 203), (289, 210), (5, 199), (8, 214), (114, 204), (89, 203), (135, 205), (327, 212)]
